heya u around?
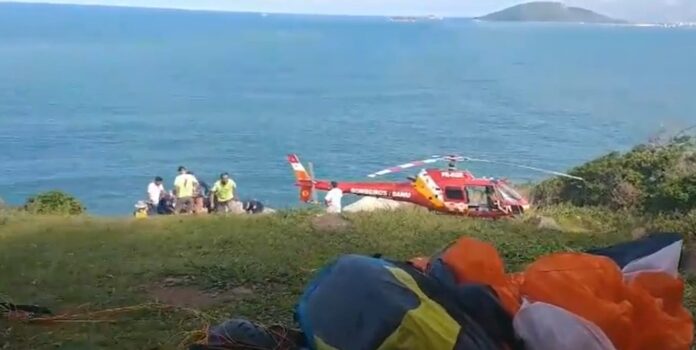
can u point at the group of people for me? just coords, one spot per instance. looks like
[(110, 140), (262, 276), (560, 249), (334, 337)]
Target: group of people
[(193, 196)]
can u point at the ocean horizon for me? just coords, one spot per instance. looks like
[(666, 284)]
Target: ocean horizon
[(97, 100)]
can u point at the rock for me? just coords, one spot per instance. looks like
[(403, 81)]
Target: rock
[(241, 291), (330, 222), (373, 204), (236, 207), (638, 232), (545, 223), (173, 281)]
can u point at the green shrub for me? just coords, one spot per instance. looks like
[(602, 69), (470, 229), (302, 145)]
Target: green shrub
[(678, 195), (54, 203), (682, 223), (648, 178)]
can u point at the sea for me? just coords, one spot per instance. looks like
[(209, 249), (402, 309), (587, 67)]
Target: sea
[(96, 101)]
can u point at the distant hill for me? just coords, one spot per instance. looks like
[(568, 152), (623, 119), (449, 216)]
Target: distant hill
[(547, 11)]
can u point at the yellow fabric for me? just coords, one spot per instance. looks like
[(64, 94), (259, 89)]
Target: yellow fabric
[(428, 326), (141, 214), (224, 192), (323, 346)]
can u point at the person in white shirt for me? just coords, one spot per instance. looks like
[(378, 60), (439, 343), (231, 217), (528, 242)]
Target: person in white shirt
[(155, 192), (333, 199)]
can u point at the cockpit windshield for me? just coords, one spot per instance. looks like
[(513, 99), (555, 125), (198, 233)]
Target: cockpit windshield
[(508, 193)]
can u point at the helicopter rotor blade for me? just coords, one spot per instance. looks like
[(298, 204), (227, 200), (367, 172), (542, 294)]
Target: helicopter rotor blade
[(404, 166), (551, 172), (458, 158)]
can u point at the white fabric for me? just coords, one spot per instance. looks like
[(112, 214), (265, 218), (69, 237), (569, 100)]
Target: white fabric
[(664, 260), (333, 200), (547, 327), (154, 192)]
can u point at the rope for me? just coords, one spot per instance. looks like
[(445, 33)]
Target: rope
[(280, 334), (90, 317), (14, 313)]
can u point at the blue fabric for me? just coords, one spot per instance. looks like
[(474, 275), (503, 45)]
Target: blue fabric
[(356, 303), (625, 253), (301, 312), (439, 271), (481, 303)]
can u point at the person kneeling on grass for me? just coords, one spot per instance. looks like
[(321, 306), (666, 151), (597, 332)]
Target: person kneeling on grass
[(141, 209), (253, 207), (222, 194)]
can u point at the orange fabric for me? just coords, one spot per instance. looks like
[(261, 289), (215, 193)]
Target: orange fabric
[(586, 285), (645, 313), (471, 260), (659, 311)]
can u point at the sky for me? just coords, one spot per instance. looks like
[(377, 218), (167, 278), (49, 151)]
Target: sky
[(637, 10)]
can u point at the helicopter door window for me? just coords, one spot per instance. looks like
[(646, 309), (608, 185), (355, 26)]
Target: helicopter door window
[(454, 193), (480, 197)]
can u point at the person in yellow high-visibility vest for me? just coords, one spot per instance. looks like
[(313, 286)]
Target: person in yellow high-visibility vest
[(223, 193), (185, 186)]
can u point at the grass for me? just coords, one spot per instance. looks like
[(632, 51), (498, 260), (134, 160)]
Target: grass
[(84, 263)]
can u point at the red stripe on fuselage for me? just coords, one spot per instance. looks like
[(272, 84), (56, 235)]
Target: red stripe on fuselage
[(402, 191)]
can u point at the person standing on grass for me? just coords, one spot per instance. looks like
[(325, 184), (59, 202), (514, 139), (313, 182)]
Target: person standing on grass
[(185, 186), (223, 193), (333, 199), (155, 193)]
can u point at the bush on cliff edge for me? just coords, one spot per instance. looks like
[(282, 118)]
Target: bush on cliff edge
[(650, 178), (54, 203)]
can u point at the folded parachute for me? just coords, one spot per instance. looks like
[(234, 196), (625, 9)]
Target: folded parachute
[(623, 297)]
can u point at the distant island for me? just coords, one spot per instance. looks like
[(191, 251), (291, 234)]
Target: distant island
[(547, 11), (412, 19)]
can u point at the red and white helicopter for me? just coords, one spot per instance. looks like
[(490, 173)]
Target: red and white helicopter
[(449, 191)]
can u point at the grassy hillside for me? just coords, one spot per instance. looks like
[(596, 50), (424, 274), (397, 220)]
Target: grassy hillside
[(163, 279), (219, 267)]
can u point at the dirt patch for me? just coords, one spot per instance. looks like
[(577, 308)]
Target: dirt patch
[(330, 223), (171, 292), (545, 223)]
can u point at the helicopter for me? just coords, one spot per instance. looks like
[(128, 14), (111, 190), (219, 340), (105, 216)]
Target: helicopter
[(450, 191)]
